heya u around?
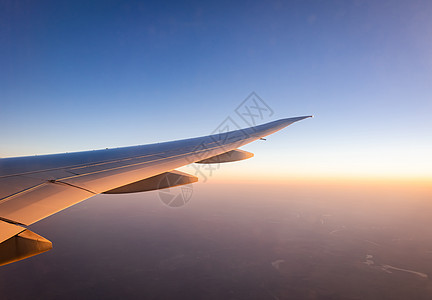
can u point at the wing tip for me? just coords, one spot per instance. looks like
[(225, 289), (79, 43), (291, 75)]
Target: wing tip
[(296, 119), (305, 117)]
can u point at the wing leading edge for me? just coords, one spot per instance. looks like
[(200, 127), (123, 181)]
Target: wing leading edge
[(33, 188)]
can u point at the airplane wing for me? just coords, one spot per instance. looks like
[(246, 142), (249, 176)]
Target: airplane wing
[(35, 187)]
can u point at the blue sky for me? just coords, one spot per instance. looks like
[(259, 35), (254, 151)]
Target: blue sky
[(78, 75)]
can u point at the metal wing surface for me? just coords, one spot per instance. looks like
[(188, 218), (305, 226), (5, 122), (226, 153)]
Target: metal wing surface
[(35, 187)]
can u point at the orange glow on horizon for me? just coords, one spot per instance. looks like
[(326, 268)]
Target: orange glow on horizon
[(320, 179)]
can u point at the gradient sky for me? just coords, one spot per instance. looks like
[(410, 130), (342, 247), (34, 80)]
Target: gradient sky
[(79, 75)]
